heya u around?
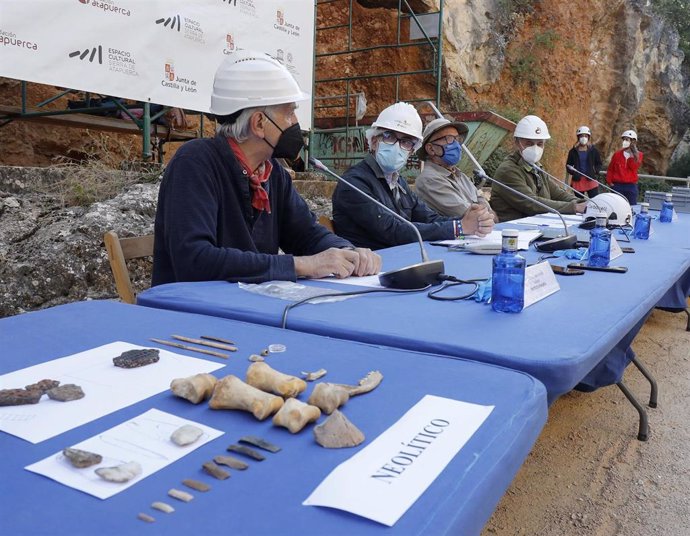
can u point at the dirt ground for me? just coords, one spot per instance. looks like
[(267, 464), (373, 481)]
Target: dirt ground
[(589, 475)]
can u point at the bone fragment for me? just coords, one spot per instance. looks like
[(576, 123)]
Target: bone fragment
[(186, 435), (328, 397), (254, 358), (233, 393), (295, 415), (216, 472), (146, 517), (230, 462), (337, 432), (120, 473), (163, 507), (196, 485), (251, 453), (263, 377), (313, 376), (194, 388), (180, 495), (258, 442), (366, 384)]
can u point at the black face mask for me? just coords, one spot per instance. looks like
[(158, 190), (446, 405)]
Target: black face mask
[(290, 142)]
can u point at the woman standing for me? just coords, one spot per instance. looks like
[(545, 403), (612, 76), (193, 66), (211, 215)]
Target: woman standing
[(622, 171), (585, 158)]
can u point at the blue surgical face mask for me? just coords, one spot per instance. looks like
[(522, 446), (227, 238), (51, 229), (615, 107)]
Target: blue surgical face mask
[(391, 157), (452, 153)]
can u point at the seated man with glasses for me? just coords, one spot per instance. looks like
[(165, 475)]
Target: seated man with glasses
[(392, 137), (441, 184)]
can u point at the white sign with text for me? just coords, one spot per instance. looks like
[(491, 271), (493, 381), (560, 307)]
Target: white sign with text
[(540, 282)]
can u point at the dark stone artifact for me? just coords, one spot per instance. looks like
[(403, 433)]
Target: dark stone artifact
[(195, 484), (216, 472), (234, 463), (82, 458), (19, 397), (43, 385), (241, 449), (261, 443), (136, 358), (66, 393)]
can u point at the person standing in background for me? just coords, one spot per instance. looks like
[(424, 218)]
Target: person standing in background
[(585, 158), (621, 174)]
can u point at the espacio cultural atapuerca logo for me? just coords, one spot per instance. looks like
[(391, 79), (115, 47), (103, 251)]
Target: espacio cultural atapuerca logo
[(108, 6), (119, 61), (175, 19), (192, 28), (91, 54)]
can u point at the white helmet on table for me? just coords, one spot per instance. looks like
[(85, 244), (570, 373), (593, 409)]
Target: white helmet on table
[(616, 207), (400, 117), (247, 79), (531, 127), (629, 134), (583, 130)]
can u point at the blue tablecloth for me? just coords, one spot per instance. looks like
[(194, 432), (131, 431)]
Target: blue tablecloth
[(558, 340), (265, 499)]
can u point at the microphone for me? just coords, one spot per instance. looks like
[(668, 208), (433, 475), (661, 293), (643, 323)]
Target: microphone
[(416, 276), (561, 183), (562, 242)]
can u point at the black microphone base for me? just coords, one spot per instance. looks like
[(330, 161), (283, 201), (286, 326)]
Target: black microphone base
[(413, 277), (562, 242)]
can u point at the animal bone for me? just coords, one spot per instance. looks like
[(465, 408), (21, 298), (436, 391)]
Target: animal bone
[(186, 435), (254, 358), (328, 397), (337, 432), (120, 473), (295, 415), (263, 377), (366, 384), (233, 393), (194, 388), (312, 376)]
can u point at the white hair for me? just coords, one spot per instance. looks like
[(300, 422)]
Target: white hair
[(371, 133), (240, 129)]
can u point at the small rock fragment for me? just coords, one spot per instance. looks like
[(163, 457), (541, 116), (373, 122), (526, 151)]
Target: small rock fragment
[(163, 507), (230, 462), (313, 376), (256, 358), (120, 473), (180, 495), (82, 458), (136, 358), (196, 485), (241, 449), (146, 517), (261, 443), (186, 435), (337, 432), (66, 393), (19, 397), (216, 472), (43, 385)]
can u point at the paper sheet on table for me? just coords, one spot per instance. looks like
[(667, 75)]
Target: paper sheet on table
[(384, 479), (366, 281), (525, 238), (549, 220), (107, 388), (144, 439)]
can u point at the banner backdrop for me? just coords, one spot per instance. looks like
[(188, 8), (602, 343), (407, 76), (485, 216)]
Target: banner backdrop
[(161, 51)]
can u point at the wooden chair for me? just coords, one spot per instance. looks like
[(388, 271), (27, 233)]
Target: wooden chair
[(326, 222), (120, 250)]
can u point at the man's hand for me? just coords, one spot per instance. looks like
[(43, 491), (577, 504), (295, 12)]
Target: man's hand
[(580, 207), (477, 221), (339, 263)]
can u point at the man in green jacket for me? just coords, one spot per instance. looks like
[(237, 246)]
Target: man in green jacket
[(517, 172)]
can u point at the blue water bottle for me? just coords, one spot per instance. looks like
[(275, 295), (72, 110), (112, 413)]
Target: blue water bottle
[(508, 276), (666, 210), (643, 222), (599, 243)]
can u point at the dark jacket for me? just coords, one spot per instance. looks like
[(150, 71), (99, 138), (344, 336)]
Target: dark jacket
[(367, 225), (593, 161), (206, 228)]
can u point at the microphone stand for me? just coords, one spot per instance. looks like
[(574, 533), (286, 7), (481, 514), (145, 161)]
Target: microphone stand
[(561, 183), (605, 186), (416, 276)]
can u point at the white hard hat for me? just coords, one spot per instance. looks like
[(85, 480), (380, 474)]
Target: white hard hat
[(532, 127), (616, 207), (401, 117), (583, 130), (248, 78), (629, 134)]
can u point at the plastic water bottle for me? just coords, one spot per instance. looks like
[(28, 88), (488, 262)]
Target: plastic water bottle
[(599, 243), (666, 210), (643, 222), (508, 276)]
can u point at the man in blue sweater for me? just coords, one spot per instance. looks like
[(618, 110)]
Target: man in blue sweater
[(226, 207)]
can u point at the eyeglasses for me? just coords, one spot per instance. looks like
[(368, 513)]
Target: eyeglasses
[(390, 138), (448, 140)]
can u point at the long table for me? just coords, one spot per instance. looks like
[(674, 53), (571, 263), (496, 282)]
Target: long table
[(571, 336), (265, 499)]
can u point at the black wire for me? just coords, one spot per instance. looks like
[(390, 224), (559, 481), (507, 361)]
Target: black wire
[(451, 281), (283, 322)]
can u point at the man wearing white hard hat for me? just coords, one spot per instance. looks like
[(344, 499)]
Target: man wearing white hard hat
[(441, 185), (226, 207), (621, 174), (392, 138), (517, 172), (584, 157)]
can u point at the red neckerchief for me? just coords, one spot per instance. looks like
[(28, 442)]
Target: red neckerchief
[(256, 178)]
